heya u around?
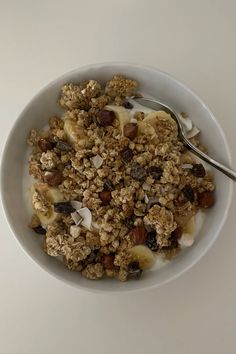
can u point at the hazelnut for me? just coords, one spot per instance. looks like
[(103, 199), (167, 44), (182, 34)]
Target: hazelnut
[(131, 130), (105, 197), (53, 178), (138, 235), (45, 145), (105, 117), (107, 261), (206, 199)]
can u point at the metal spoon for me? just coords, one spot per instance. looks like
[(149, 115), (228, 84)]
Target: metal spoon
[(155, 104)]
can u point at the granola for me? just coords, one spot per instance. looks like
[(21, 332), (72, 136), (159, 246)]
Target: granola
[(115, 187)]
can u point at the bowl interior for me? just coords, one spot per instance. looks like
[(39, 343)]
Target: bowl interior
[(15, 183)]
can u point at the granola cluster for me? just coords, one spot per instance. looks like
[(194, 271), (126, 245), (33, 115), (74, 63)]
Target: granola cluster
[(107, 187)]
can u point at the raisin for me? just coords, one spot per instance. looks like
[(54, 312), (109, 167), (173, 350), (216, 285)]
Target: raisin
[(63, 146), (188, 193), (108, 185), (105, 197), (127, 155), (138, 235), (129, 222), (206, 199), (63, 207), (39, 230), (107, 261), (134, 271), (128, 105), (151, 241), (45, 145), (138, 172), (177, 233), (156, 172), (105, 117), (131, 130), (198, 170)]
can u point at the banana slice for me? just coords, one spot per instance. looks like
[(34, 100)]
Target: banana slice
[(121, 115), (143, 255), (52, 195), (74, 132)]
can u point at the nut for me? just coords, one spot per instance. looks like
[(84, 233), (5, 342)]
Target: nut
[(105, 117), (206, 199), (131, 130), (138, 235), (107, 261), (105, 197), (45, 145), (53, 178)]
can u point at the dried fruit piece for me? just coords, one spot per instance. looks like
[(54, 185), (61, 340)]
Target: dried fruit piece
[(138, 235), (134, 271), (151, 241), (63, 208), (155, 172), (39, 230), (105, 197), (131, 130), (129, 222), (128, 105), (127, 155), (108, 185), (189, 193), (138, 172), (206, 199), (45, 145), (105, 117), (107, 261), (63, 146), (177, 233), (198, 170), (53, 178)]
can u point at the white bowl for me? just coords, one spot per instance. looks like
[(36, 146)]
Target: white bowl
[(14, 182)]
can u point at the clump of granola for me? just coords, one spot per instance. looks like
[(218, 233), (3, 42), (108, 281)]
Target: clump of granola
[(112, 191)]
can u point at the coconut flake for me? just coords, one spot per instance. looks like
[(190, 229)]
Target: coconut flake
[(187, 165), (186, 122), (193, 132), (146, 186), (76, 204), (86, 215), (76, 218), (75, 231), (97, 161), (186, 240), (146, 199)]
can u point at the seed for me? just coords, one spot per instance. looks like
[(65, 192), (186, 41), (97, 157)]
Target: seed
[(108, 185), (151, 241), (127, 155), (198, 170), (131, 130), (177, 233), (39, 230), (155, 172), (53, 178), (63, 207), (138, 235), (138, 172), (63, 145), (128, 105), (105, 117), (105, 197), (189, 193), (45, 145), (107, 261), (206, 199), (134, 271)]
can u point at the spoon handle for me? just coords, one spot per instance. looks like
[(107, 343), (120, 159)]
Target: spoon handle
[(219, 166)]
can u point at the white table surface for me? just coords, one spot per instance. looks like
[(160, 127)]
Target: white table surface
[(193, 40)]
